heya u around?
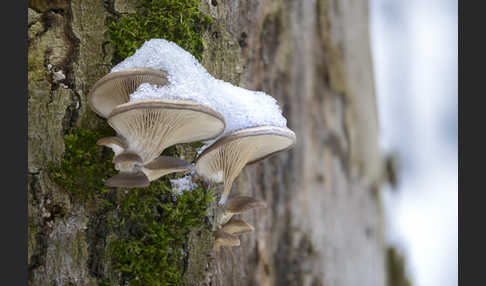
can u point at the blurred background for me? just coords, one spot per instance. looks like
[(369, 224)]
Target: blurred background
[(414, 49)]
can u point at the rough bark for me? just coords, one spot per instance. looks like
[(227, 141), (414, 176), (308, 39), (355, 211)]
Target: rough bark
[(323, 224)]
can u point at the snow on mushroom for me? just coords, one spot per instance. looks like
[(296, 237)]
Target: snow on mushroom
[(251, 116)]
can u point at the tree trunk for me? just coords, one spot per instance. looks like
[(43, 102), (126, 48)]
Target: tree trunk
[(324, 221)]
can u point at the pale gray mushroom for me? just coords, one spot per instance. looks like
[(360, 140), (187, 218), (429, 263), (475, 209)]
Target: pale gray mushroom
[(152, 125), (115, 88), (127, 161), (224, 159), (238, 205), (135, 179), (117, 144), (222, 238), (237, 227), (164, 165)]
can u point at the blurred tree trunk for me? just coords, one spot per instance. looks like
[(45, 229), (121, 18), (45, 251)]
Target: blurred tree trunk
[(324, 222)]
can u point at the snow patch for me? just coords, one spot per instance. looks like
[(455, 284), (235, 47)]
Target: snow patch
[(189, 80), (183, 184)]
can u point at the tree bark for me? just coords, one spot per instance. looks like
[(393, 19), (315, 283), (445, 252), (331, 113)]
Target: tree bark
[(324, 221)]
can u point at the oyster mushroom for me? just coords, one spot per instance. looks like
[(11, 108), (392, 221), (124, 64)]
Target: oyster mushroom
[(152, 125), (115, 88), (164, 165), (127, 161), (240, 204), (223, 161), (135, 179), (237, 227), (222, 238), (117, 144)]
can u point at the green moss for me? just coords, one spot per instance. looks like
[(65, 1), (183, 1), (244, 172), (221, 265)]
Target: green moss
[(180, 21), (84, 166), (152, 228)]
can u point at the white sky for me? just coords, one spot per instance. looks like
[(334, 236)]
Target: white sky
[(414, 46)]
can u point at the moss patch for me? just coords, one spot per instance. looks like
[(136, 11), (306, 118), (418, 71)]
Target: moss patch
[(180, 21), (84, 166), (152, 227)]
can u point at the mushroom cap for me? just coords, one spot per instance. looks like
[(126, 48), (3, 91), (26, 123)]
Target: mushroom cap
[(126, 161), (115, 88), (128, 180), (241, 204), (115, 140), (117, 144), (152, 125), (225, 239), (127, 157), (164, 165), (260, 142), (237, 227)]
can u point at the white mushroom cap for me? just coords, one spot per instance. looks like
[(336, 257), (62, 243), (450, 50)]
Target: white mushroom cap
[(128, 180), (224, 160), (164, 165), (115, 88), (117, 144), (225, 239), (237, 227), (152, 125)]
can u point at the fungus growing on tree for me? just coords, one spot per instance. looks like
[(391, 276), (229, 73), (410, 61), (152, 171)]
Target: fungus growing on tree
[(222, 238), (238, 205), (150, 126), (164, 165), (136, 179), (237, 227), (127, 161), (115, 88), (223, 161), (117, 144)]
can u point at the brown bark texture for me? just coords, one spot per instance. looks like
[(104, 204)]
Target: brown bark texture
[(324, 221)]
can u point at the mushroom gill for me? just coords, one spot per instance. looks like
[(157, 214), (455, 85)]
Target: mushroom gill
[(150, 126), (224, 159)]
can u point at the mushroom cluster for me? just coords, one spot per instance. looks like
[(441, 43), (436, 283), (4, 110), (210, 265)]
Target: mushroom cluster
[(146, 128), (161, 96)]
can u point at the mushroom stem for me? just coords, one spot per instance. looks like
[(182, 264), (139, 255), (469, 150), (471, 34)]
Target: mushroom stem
[(233, 159)]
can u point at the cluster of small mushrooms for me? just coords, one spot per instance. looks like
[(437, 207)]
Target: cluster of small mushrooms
[(145, 128)]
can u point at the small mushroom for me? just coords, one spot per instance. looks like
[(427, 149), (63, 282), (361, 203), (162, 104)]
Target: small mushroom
[(126, 161), (152, 125), (115, 88), (164, 165), (240, 204), (117, 144), (128, 180), (237, 227), (225, 239), (224, 159)]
